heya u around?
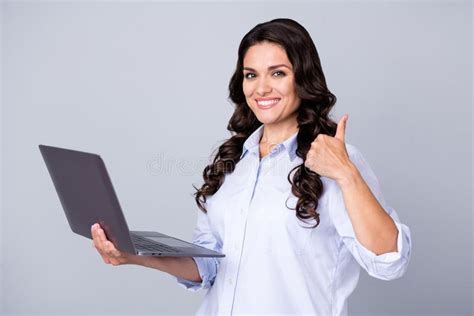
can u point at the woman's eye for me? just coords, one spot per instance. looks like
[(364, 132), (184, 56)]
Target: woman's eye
[(279, 72)]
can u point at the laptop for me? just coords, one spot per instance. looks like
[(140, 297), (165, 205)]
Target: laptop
[(87, 197)]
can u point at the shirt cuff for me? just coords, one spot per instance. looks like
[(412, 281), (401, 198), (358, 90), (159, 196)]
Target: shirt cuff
[(390, 265), (207, 268)]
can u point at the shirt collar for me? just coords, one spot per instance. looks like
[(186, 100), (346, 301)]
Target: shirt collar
[(251, 144)]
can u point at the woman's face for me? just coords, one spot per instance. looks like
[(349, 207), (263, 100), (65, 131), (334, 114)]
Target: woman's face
[(269, 84)]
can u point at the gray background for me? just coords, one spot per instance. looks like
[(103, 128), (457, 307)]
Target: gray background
[(145, 86)]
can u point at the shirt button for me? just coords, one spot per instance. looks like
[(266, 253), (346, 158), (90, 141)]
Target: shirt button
[(236, 247), (229, 281)]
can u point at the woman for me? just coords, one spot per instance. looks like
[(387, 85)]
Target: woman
[(296, 210)]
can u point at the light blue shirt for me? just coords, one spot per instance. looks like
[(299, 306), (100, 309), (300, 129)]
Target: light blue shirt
[(273, 264)]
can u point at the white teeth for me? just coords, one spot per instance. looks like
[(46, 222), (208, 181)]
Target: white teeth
[(269, 102)]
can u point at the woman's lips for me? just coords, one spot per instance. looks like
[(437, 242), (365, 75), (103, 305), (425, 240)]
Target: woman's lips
[(267, 104)]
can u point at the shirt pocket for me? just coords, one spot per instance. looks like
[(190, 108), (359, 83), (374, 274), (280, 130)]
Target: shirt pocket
[(298, 233), (288, 235)]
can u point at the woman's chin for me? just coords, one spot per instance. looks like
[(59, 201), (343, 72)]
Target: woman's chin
[(267, 120)]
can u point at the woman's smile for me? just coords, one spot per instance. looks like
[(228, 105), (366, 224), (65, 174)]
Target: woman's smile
[(267, 103)]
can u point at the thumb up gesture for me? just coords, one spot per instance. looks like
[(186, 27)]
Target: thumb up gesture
[(328, 156)]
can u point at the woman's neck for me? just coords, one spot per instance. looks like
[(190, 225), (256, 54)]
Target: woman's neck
[(277, 134)]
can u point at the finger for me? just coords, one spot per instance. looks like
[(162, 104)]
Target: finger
[(97, 245), (109, 247), (111, 250), (93, 232), (341, 128), (97, 237), (100, 241), (102, 238), (104, 256)]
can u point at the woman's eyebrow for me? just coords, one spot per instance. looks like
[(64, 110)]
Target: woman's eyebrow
[(269, 68)]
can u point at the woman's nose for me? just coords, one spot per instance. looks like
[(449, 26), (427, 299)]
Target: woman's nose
[(263, 87)]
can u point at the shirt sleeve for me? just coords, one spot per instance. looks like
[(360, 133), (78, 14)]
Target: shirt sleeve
[(387, 266), (207, 266)]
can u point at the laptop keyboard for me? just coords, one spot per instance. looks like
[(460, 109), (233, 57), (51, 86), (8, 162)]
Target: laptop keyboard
[(145, 244)]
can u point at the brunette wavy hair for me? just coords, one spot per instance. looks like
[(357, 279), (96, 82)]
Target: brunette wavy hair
[(313, 115)]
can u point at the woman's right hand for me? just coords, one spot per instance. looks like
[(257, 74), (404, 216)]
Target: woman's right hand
[(107, 250), (184, 267)]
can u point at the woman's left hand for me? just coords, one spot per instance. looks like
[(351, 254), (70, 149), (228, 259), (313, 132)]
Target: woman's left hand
[(328, 156)]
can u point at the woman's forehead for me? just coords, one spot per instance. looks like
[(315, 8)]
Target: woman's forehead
[(265, 54)]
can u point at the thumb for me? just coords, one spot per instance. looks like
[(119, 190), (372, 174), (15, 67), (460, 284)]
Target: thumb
[(341, 128)]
